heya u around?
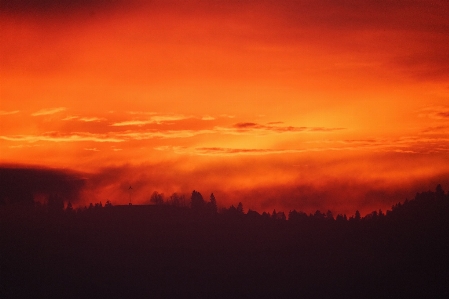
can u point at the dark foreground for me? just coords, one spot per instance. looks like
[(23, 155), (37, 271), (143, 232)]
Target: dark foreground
[(167, 252)]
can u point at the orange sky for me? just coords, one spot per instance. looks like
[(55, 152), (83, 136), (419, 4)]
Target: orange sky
[(279, 104)]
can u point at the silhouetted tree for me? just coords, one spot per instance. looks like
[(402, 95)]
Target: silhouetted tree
[(253, 214), (240, 208), (157, 198), (196, 200), (439, 192), (318, 215), (357, 216), (175, 200), (341, 218), (295, 216), (212, 204), (231, 211), (281, 216)]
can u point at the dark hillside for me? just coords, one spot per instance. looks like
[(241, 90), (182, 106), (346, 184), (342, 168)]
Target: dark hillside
[(164, 251)]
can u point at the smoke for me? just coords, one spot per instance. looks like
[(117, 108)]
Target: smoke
[(255, 189), (340, 195)]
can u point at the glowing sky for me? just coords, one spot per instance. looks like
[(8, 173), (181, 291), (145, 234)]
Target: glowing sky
[(303, 105)]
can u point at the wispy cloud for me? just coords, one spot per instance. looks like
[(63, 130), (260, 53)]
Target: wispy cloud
[(91, 119), (242, 151), (131, 123), (57, 137), (444, 115), (162, 148), (2, 112), (435, 112), (84, 119), (162, 134), (141, 113), (70, 117), (405, 145), (273, 127), (436, 129), (154, 119), (48, 111)]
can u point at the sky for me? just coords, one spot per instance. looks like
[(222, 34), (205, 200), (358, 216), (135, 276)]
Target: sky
[(305, 105)]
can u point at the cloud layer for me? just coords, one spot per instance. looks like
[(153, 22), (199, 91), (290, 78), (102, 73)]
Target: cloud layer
[(303, 98)]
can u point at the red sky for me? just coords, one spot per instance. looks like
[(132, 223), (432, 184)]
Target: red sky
[(305, 105)]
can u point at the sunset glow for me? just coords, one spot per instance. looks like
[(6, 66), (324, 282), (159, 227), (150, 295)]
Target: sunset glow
[(283, 105)]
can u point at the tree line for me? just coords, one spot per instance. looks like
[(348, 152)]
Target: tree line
[(196, 203)]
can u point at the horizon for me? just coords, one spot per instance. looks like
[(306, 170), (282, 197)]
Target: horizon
[(286, 105)]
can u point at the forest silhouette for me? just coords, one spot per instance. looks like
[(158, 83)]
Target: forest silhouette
[(189, 248)]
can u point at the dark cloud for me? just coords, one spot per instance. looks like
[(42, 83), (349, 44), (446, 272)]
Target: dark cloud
[(55, 7), (324, 129), (276, 127), (246, 125), (436, 129), (23, 184), (221, 150), (443, 114), (410, 34), (369, 14)]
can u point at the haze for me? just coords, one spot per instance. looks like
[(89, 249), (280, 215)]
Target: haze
[(283, 105)]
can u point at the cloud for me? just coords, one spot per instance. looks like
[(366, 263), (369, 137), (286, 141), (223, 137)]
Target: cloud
[(58, 137), (407, 144), (162, 134), (443, 115), (273, 127), (84, 119), (338, 195), (404, 145), (131, 123), (266, 183), (243, 151), (435, 112), (52, 8), (2, 112), (91, 119), (24, 183), (436, 129), (430, 64), (246, 125), (48, 111), (70, 117), (155, 119)]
